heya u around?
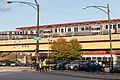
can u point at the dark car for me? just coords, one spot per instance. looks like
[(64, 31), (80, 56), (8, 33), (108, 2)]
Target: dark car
[(60, 65), (90, 66), (116, 69)]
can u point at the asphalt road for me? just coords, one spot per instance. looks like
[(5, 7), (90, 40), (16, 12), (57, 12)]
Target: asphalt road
[(37, 76)]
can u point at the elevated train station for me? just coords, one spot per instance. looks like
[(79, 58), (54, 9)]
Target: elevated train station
[(92, 35)]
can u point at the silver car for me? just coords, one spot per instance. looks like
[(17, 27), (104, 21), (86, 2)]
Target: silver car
[(74, 65)]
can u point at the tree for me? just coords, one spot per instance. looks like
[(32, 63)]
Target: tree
[(75, 52), (62, 50)]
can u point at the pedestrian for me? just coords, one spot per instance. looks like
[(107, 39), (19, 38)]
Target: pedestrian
[(44, 68), (40, 65)]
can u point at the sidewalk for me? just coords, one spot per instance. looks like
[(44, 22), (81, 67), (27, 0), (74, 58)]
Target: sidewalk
[(14, 69), (103, 76)]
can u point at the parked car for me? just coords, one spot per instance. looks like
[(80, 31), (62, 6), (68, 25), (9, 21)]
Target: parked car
[(116, 69), (60, 65), (90, 66), (12, 64), (5, 63), (74, 65)]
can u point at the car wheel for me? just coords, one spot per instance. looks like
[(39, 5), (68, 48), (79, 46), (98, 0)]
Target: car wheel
[(75, 68)]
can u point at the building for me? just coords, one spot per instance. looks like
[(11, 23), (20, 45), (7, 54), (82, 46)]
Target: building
[(88, 33)]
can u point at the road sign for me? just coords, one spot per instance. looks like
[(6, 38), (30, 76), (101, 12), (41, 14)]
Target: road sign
[(37, 38)]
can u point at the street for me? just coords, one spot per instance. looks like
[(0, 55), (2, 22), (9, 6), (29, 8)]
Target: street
[(37, 76)]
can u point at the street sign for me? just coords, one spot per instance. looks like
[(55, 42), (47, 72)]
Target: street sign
[(37, 38)]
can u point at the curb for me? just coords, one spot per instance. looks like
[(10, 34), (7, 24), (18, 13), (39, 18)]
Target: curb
[(81, 76)]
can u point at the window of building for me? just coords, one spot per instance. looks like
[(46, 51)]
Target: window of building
[(109, 58), (104, 58), (88, 58), (99, 58)]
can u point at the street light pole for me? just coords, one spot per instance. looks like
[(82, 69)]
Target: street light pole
[(36, 7), (108, 14), (37, 31)]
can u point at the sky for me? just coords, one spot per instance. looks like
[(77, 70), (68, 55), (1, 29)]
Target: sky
[(54, 12)]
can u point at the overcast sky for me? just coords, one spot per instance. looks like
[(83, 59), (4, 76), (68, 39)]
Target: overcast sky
[(54, 12)]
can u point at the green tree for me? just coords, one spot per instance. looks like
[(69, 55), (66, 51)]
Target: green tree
[(75, 52), (60, 48)]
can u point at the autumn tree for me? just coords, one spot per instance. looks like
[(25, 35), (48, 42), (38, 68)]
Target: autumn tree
[(62, 50), (75, 52)]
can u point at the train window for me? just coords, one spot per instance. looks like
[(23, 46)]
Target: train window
[(82, 28), (20, 32), (23, 32), (110, 26), (47, 31), (76, 29), (65, 29), (14, 32), (26, 32), (83, 58), (118, 25), (55, 30), (93, 58), (106, 27), (62, 30), (114, 26), (69, 29), (31, 32), (59, 30), (86, 28), (98, 28)]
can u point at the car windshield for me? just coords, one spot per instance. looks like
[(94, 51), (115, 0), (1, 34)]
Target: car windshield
[(118, 65), (74, 62), (59, 63)]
